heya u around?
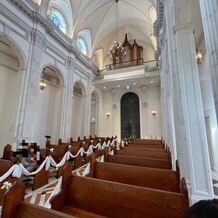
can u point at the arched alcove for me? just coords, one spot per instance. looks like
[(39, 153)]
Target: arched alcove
[(130, 115), (11, 64), (78, 110), (94, 114), (50, 105)]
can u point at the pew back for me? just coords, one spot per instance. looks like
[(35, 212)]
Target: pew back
[(5, 166), (139, 161), (161, 179), (145, 153), (113, 199)]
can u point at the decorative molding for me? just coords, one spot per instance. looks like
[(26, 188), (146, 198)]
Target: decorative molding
[(54, 32), (70, 62), (38, 38), (23, 27), (158, 28)]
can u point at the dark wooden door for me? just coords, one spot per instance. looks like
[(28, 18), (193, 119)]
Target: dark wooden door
[(130, 116)]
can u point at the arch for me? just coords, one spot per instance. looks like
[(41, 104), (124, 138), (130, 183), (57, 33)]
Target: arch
[(130, 115), (59, 20), (78, 110), (153, 13), (85, 34), (49, 109), (12, 79), (81, 45), (57, 70), (154, 41), (94, 114), (64, 8), (82, 86), (16, 49), (96, 95)]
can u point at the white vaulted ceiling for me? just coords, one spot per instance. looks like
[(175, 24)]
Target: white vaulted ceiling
[(99, 16)]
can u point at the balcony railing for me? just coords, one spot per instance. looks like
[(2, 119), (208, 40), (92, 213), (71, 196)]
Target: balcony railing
[(132, 63)]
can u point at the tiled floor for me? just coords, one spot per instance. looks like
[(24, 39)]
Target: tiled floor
[(41, 195)]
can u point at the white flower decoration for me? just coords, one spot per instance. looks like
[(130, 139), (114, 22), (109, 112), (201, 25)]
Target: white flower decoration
[(6, 185), (52, 149)]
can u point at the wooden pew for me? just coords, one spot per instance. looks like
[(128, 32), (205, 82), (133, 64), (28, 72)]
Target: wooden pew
[(112, 199), (161, 179), (15, 207), (148, 141), (5, 165), (7, 153), (156, 146), (144, 152), (139, 161)]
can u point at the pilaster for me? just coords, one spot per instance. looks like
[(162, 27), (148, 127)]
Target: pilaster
[(32, 82), (87, 105), (192, 147), (66, 121)]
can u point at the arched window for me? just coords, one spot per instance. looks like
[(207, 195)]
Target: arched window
[(58, 19), (153, 14), (81, 45)]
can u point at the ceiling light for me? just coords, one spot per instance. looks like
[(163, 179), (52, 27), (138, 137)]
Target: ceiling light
[(42, 85), (152, 81), (199, 56)]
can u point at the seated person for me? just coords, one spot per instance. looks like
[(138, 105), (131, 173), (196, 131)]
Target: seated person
[(204, 209)]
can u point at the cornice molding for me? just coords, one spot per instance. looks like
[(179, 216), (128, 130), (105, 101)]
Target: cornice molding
[(53, 31)]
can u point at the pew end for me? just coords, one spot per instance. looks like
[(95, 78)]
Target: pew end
[(11, 199)]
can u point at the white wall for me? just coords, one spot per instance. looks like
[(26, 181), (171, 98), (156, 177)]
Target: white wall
[(150, 126), (77, 117), (107, 128), (8, 84), (49, 114), (153, 122), (93, 119), (209, 108)]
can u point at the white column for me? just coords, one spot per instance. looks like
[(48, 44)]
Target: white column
[(167, 106), (67, 102), (87, 107), (209, 12), (192, 147), (32, 84), (18, 128)]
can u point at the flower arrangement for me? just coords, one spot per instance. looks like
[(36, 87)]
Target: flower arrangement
[(6, 185)]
